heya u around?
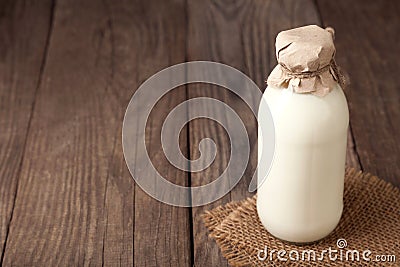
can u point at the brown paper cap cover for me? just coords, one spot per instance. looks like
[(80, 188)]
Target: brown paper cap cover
[(305, 60)]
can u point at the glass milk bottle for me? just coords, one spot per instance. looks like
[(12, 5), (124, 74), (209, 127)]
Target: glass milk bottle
[(301, 198)]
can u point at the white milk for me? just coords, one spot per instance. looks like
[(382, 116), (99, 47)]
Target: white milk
[(301, 200)]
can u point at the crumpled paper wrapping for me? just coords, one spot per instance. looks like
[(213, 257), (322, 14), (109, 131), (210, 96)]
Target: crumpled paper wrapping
[(306, 61)]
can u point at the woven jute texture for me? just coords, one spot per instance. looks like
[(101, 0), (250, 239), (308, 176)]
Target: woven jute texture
[(370, 221)]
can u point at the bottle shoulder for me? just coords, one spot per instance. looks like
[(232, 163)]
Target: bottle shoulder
[(305, 114)]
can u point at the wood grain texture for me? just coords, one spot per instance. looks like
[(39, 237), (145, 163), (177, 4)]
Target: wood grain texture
[(67, 71), (59, 210), (76, 202), (240, 34), (366, 42), (24, 29), (162, 232)]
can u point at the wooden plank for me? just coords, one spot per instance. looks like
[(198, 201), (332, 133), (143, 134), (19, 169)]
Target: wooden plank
[(58, 215), (24, 31), (240, 34), (154, 234), (367, 34), (162, 232), (76, 202)]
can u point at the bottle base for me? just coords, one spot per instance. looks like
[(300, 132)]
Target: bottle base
[(294, 234)]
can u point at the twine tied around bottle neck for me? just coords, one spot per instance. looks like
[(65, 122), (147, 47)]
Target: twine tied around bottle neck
[(332, 67)]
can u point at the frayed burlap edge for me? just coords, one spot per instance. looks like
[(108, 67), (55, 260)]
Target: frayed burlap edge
[(238, 252), (213, 219)]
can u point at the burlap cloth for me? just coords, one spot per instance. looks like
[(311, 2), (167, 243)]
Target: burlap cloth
[(370, 221)]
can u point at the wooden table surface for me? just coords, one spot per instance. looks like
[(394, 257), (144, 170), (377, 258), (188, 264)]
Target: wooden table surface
[(67, 72)]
